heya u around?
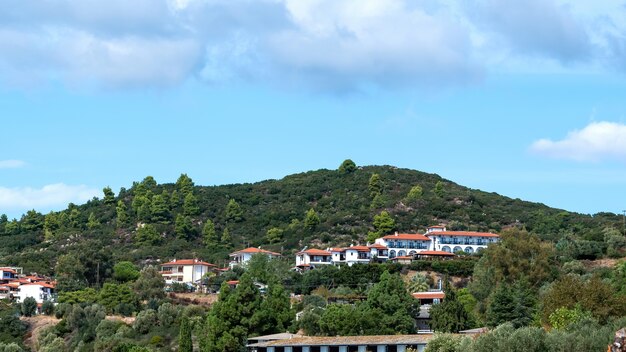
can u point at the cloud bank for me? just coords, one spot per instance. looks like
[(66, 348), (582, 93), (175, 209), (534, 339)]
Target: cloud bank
[(596, 142), (327, 43), (55, 196), (12, 164)]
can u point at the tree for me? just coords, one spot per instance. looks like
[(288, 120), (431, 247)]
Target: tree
[(375, 185), (32, 221), (150, 284), (414, 194), (233, 211), (111, 295), (50, 225), (29, 307), (226, 237), (125, 271), (159, 210), (311, 220), (109, 196), (275, 314), (392, 306), (564, 317), (184, 184), (92, 221), (449, 315), (274, 235), (47, 307), (513, 304), (184, 228), (121, 214), (418, 283), (209, 234), (70, 273), (439, 189), (147, 234), (184, 336), (190, 205), (348, 166), (383, 223)]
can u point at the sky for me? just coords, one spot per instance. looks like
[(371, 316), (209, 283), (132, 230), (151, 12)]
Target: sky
[(523, 98)]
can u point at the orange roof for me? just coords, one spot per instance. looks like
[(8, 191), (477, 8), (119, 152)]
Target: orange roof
[(435, 253), (403, 257), (462, 233), (429, 295), (437, 227), (13, 284), (337, 249), (358, 248), (187, 262), (42, 284), (408, 236), (377, 246), (253, 250), (8, 270), (233, 282), (315, 251)]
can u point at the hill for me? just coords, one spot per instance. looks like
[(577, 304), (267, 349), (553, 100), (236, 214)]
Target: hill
[(319, 208)]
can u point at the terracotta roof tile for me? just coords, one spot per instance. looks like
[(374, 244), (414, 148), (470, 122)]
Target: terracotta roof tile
[(254, 250), (428, 295), (315, 251), (463, 233), (408, 236), (436, 253), (187, 262)]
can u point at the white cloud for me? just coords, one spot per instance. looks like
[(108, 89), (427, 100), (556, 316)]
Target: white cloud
[(343, 43), (597, 141), (12, 164), (47, 197)]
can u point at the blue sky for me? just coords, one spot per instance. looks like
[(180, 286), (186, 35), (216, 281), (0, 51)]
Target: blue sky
[(526, 99)]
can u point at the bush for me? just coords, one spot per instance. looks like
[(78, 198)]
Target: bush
[(157, 340), (145, 320), (167, 314), (124, 309), (29, 307), (47, 308), (62, 309)]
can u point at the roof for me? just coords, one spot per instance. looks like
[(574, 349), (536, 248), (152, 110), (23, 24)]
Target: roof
[(377, 246), (442, 253), (253, 250), (8, 270), (437, 227), (233, 282), (352, 340), (187, 262), (280, 336), (315, 251), (403, 257), (474, 331), (337, 249), (408, 236), (429, 295), (42, 284), (462, 233), (358, 248)]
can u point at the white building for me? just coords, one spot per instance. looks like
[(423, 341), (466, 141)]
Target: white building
[(457, 241), (403, 244), (40, 291), (310, 258), (243, 256), (188, 271), (351, 255)]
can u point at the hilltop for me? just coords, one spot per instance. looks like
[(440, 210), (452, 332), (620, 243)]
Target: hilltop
[(320, 208)]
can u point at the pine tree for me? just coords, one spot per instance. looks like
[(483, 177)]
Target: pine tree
[(184, 184), (209, 234), (159, 210), (449, 315), (274, 235), (109, 196), (92, 221), (348, 166), (122, 215), (375, 186), (190, 205), (183, 227), (439, 189), (233, 211), (391, 303), (275, 314), (184, 336), (226, 237), (383, 223), (414, 194), (311, 220), (50, 225)]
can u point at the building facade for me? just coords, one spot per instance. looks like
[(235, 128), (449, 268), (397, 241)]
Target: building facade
[(243, 256), (185, 271), (40, 291)]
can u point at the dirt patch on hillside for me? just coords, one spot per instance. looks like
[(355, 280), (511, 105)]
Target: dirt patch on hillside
[(202, 299), (600, 263), (35, 325)]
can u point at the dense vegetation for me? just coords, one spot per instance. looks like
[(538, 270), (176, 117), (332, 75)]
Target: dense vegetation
[(101, 254), (319, 208)]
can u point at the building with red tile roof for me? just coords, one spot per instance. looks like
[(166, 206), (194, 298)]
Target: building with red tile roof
[(185, 271), (243, 256)]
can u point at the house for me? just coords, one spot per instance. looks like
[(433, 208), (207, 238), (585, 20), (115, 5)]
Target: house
[(310, 258), (457, 241), (243, 256), (376, 343), (185, 271), (253, 342), (7, 274), (434, 255), (378, 252), (40, 291), (351, 255), (402, 244)]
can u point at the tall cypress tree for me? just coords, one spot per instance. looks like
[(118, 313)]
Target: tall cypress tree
[(450, 315), (184, 336)]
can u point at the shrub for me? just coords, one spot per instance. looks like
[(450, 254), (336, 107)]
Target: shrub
[(145, 320), (47, 308), (29, 307), (167, 314)]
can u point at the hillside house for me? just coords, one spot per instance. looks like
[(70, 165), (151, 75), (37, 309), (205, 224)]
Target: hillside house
[(310, 258), (403, 244), (243, 256), (457, 241), (185, 271), (40, 291)]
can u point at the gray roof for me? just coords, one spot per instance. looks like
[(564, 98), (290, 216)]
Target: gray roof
[(421, 339), (280, 336)]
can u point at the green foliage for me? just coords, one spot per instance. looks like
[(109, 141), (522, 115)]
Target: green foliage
[(347, 166), (125, 271), (86, 295), (383, 223), (209, 234), (275, 314), (150, 284), (84, 321), (449, 315), (515, 304), (121, 214), (10, 347), (111, 295), (146, 320), (234, 213), (167, 314), (29, 307), (418, 283), (444, 343), (439, 189), (159, 210), (70, 273), (47, 308), (109, 196), (184, 184), (184, 336), (190, 205), (147, 234), (375, 185), (92, 221), (274, 235), (392, 306), (414, 194), (311, 220), (11, 328), (564, 317), (184, 228)]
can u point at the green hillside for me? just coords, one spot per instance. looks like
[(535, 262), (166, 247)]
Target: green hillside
[(168, 220)]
